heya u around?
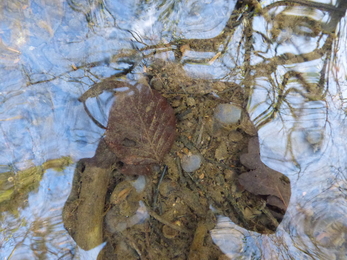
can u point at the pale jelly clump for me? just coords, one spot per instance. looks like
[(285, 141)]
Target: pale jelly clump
[(191, 162), (227, 113)]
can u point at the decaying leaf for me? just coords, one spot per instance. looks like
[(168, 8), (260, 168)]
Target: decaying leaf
[(141, 127), (262, 180)]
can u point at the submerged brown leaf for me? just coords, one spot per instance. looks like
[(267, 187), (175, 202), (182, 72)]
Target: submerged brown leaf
[(141, 127), (262, 180)]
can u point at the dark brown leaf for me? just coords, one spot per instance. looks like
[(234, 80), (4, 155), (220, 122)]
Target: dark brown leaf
[(262, 180), (141, 127), (142, 169)]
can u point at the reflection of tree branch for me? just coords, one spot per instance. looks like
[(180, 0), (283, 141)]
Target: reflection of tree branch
[(320, 6), (125, 56), (313, 91), (312, 94), (20, 243), (290, 58), (211, 44), (95, 11)]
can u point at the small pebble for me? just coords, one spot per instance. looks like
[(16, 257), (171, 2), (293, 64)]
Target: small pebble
[(156, 83), (235, 136), (167, 188), (169, 233), (176, 103), (191, 162), (221, 152), (248, 126), (191, 101), (227, 113), (230, 175), (219, 86)]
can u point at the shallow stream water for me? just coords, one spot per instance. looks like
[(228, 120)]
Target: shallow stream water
[(290, 60)]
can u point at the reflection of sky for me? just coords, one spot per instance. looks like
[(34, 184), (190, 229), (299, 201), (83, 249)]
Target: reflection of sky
[(310, 149), (195, 20), (46, 121)]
